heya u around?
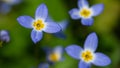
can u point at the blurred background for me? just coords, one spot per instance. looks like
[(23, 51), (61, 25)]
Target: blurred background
[(21, 52)]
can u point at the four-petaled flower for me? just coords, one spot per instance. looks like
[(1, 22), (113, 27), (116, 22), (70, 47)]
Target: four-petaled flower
[(54, 55), (85, 12), (39, 24), (88, 55)]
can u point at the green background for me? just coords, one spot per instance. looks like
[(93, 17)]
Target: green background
[(21, 52)]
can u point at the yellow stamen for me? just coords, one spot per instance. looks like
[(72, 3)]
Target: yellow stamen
[(54, 57), (85, 13), (87, 56), (38, 25)]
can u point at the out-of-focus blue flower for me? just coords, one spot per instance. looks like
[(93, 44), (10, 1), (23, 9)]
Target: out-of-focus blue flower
[(39, 24), (63, 25), (5, 5), (88, 55), (54, 55), (43, 65), (85, 12), (4, 36), (11, 2)]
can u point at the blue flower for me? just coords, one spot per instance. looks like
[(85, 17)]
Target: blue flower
[(85, 12), (43, 65), (54, 55), (88, 55), (39, 24), (63, 24), (5, 5), (4, 36)]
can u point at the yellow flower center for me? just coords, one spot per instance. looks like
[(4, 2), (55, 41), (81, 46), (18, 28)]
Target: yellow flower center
[(38, 25), (87, 56), (54, 57), (85, 13)]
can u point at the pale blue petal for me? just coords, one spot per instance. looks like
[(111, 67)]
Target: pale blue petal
[(43, 65), (60, 34), (87, 22), (74, 13), (49, 19), (4, 36), (97, 9), (5, 8), (25, 21), (82, 64), (36, 36), (41, 12), (101, 60), (63, 24), (83, 3), (58, 49), (91, 42), (74, 51), (52, 27)]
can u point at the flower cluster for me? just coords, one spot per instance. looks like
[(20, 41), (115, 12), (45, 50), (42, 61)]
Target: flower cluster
[(44, 23)]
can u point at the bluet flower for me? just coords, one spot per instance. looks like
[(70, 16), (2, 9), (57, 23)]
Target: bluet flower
[(54, 55), (88, 54), (39, 24), (86, 13)]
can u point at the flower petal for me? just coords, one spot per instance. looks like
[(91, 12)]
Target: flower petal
[(74, 13), (60, 34), (97, 9), (52, 27), (41, 12), (63, 24), (43, 65), (82, 64), (101, 60), (74, 51), (4, 8), (91, 42), (83, 3), (36, 36), (58, 49), (87, 22), (49, 19), (25, 21), (4, 36)]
